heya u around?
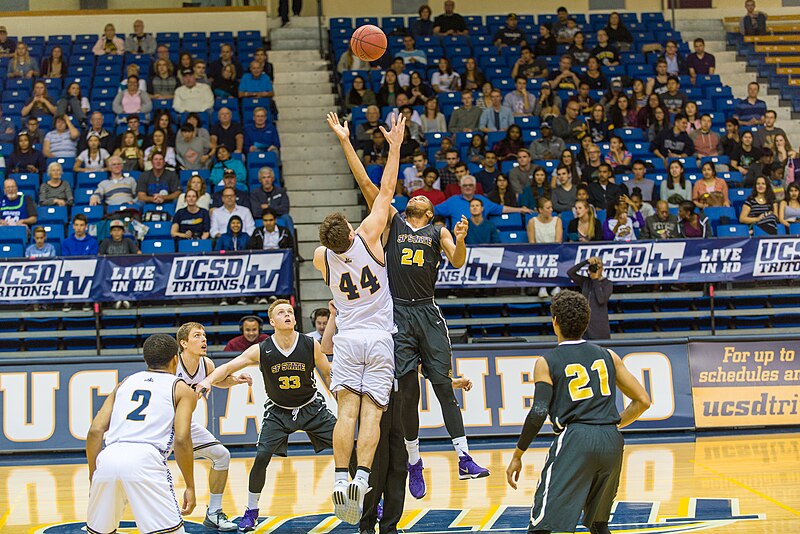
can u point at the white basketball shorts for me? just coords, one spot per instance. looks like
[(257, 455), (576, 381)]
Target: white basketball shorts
[(135, 474), (363, 362)]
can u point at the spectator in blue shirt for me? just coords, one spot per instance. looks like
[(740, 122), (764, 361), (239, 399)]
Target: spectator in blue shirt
[(481, 231), (79, 243), (750, 111), (256, 83), (457, 206), (40, 248), (497, 117), (261, 136)]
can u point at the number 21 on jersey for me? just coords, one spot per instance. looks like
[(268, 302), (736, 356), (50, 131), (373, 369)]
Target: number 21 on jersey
[(579, 388), (368, 281)]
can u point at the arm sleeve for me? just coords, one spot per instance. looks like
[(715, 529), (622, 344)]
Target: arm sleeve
[(93, 247), (490, 208), (573, 272), (282, 206), (542, 395)]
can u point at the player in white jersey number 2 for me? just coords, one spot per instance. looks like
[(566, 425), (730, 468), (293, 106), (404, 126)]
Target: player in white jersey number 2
[(353, 264), (193, 367), (147, 415)]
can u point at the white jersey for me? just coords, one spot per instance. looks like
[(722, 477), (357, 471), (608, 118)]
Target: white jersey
[(360, 289), (190, 379), (144, 411)]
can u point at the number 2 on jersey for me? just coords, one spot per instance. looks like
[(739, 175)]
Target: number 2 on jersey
[(368, 281), (412, 257), (144, 395), (579, 388)]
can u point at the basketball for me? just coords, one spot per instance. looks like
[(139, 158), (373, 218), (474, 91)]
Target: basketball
[(368, 42)]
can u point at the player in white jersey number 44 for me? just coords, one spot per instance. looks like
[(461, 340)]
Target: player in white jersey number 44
[(353, 264)]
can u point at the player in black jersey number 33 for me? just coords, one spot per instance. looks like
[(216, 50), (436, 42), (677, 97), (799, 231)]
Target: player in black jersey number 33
[(287, 361), (576, 384)]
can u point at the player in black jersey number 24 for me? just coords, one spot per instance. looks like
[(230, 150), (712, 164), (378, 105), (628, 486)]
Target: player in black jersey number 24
[(576, 385), (287, 361)]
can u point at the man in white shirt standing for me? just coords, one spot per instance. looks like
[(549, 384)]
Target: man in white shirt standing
[(221, 216), (192, 96)]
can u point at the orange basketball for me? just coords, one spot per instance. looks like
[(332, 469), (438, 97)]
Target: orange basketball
[(368, 42)]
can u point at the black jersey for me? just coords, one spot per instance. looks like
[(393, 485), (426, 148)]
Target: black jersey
[(289, 377), (584, 385), (412, 260)]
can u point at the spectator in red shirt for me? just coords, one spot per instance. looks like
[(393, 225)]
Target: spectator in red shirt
[(250, 328), (434, 195)]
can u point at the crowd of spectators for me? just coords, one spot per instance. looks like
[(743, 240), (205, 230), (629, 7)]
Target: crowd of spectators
[(136, 165), (575, 165)]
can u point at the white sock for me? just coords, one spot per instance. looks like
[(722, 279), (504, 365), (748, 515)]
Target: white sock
[(252, 500), (413, 451), (340, 475), (460, 445), (215, 502), (362, 474)]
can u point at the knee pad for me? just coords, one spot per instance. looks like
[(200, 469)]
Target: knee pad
[(220, 456)]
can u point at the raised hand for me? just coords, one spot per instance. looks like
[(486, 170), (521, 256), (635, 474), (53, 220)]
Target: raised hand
[(460, 229), (342, 131), (395, 136)]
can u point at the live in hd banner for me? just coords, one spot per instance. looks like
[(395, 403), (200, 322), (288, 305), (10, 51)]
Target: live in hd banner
[(146, 277)]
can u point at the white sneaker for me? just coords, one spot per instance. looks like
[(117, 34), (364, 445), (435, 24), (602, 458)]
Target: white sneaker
[(356, 492), (555, 291), (542, 292), (241, 302), (117, 304), (219, 521), (67, 307), (339, 498), (126, 304), (262, 300), (87, 307), (223, 302)]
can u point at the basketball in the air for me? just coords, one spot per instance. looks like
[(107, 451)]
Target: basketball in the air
[(368, 42)]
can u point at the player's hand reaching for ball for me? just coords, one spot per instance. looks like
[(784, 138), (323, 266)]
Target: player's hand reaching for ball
[(398, 127), (189, 501), (460, 229), (342, 131), (513, 470)]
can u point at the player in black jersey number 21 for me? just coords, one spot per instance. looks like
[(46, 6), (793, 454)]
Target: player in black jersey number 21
[(413, 255), (576, 384), (287, 361)]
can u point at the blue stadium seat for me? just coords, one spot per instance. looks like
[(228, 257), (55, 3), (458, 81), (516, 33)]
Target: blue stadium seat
[(794, 228), (13, 234), (758, 232), (733, 230), (194, 245), (51, 214), (12, 250), (260, 159), (165, 208), (508, 222), (158, 246), (157, 230), (517, 236), (55, 232), (90, 179), (93, 213)]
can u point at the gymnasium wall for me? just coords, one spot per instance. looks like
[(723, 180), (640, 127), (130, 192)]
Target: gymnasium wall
[(700, 383)]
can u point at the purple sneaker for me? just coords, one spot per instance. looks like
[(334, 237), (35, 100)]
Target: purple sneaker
[(467, 468), (416, 482), (248, 520), (380, 510)]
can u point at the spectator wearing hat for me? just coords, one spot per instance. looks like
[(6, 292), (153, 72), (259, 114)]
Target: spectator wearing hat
[(225, 163), (559, 26), (268, 196), (548, 105), (7, 45), (510, 34), (546, 146), (118, 244), (192, 96), (109, 43), (256, 83), (241, 193)]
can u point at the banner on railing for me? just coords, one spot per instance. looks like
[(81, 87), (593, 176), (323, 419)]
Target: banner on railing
[(50, 407), (739, 383), (638, 262), (145, 277)]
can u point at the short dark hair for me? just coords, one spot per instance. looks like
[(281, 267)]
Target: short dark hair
[(699, 40), (639, 162), (81, 217), (461, 164), (450, 151), (334, 233), (320, 312), (571, 310), (673, 78), (187, 127), (476, 199), (679, 117), (607, 166), (159, 350), (520, 77), (732, 120), (269, 211)]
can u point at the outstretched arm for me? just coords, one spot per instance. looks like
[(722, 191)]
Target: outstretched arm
[(230, 380), (221, 373), (373, 225)]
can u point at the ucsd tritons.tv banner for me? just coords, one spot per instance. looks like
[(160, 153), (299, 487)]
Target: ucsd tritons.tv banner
[(637, 262), (741, 383), (146, 277)]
